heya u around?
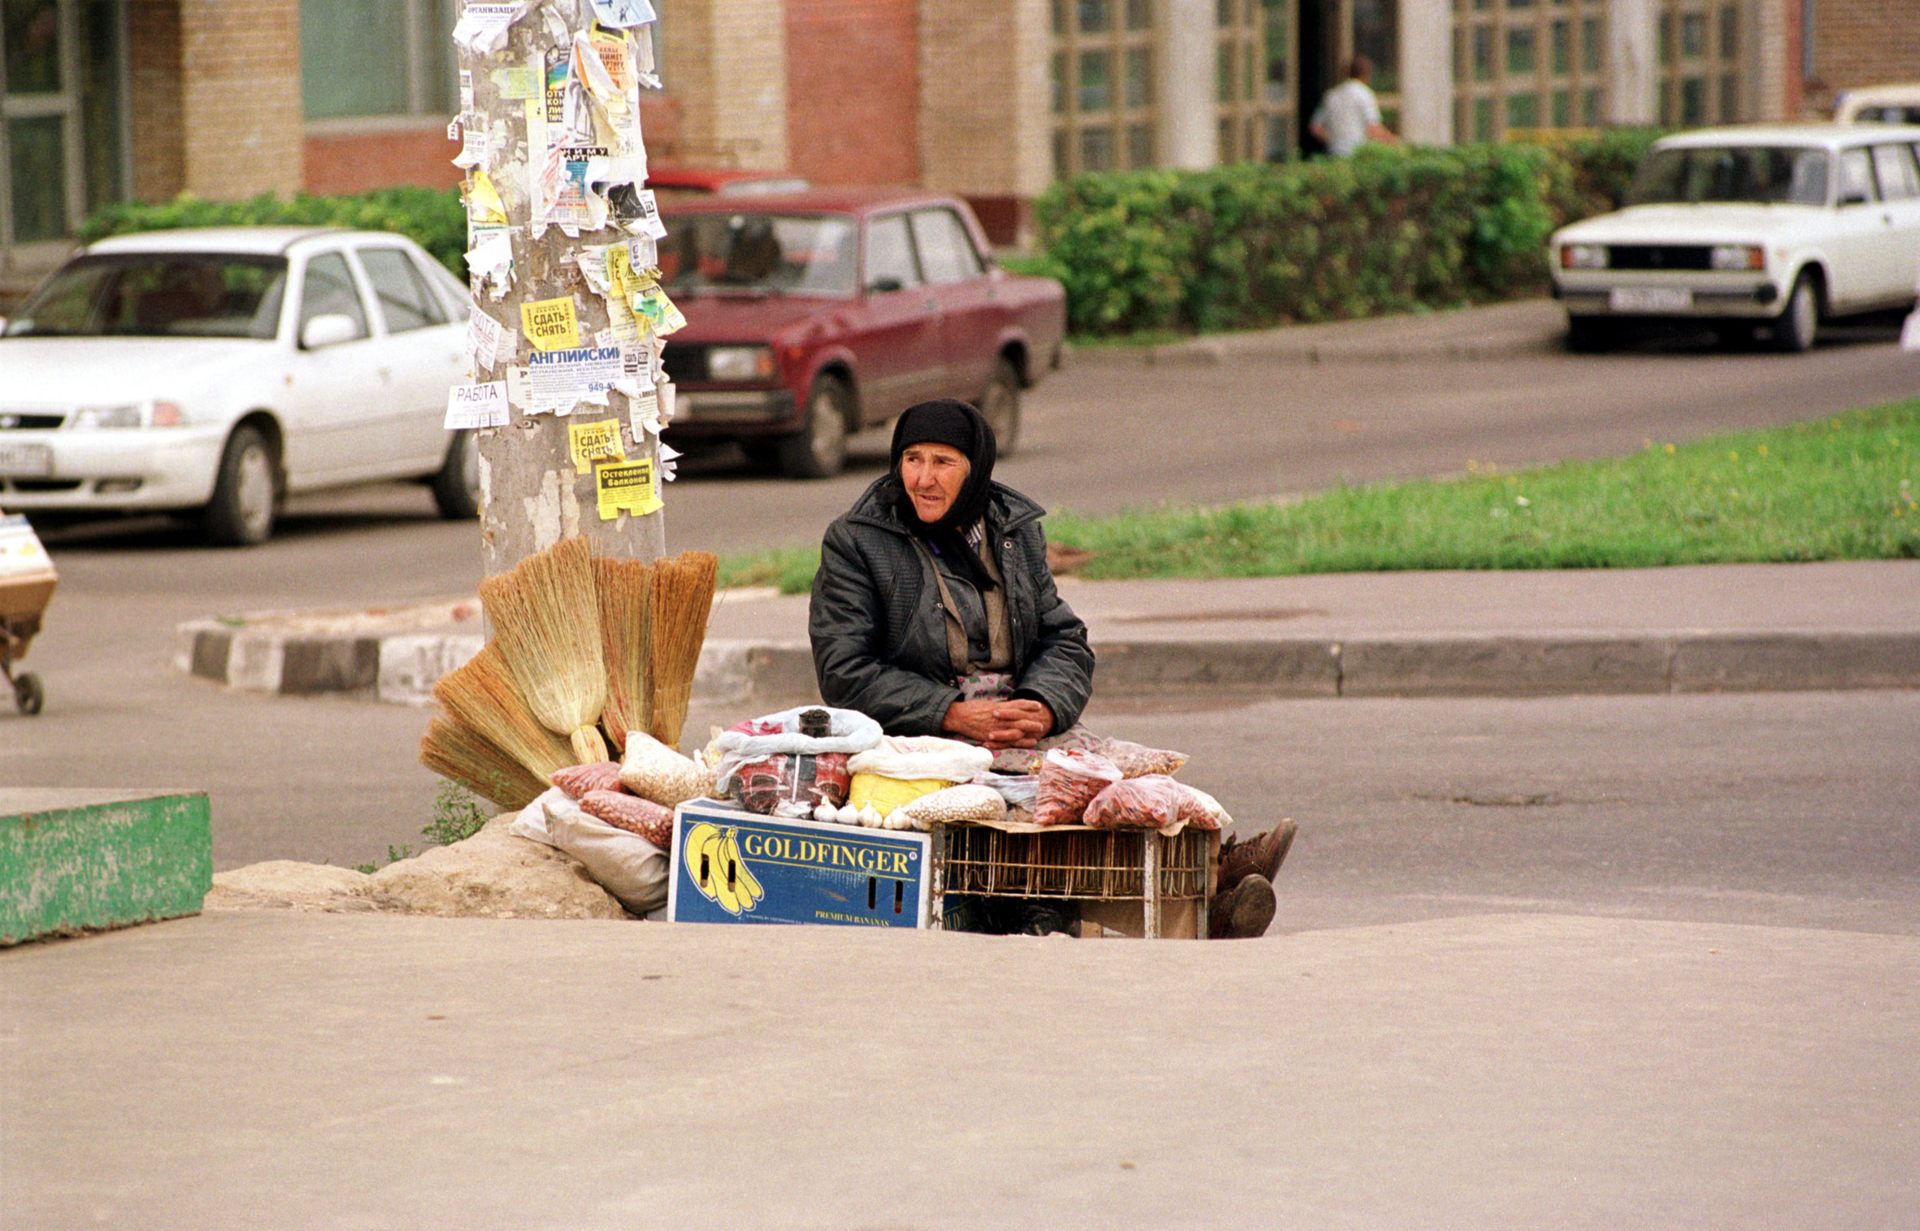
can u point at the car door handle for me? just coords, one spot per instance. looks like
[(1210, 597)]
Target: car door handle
[(933, 305)]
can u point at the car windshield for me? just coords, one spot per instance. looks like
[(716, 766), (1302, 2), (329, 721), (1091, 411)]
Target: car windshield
[(1761, 174), (760, 254), (158, 294)]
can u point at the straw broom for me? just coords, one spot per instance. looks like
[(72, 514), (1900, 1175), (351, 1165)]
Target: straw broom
[(455, 751), (682, 601), (626, 638), (546, 618), (482, 697)]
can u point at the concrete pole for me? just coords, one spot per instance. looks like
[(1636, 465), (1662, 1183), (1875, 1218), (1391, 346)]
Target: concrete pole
[(548, 472)]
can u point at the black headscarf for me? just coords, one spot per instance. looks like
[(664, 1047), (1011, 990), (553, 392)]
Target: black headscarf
[(948, 422)]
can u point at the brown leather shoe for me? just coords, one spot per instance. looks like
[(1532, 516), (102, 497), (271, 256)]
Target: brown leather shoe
[(1263, 853), (1244, 913)]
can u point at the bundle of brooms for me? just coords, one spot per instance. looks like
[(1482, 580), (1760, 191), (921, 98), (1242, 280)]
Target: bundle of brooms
[(584, 651)]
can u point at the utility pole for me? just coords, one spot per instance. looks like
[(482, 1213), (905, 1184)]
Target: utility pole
[(568, 397)]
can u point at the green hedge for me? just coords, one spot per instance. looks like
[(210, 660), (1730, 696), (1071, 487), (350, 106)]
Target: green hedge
[(1392, 229), (433, 218)]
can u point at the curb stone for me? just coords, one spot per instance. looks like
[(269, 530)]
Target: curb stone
[(402, 668)]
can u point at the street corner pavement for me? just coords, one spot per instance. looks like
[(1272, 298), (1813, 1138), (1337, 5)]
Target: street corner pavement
[(1768, 627), (1492, 1071)]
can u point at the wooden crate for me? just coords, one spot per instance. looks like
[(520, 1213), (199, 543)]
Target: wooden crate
[(1134, 881)]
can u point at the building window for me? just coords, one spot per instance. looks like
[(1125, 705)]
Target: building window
[(1528, 64), (1254, 79), (377, 57), (1103, 90), (1700, 70)]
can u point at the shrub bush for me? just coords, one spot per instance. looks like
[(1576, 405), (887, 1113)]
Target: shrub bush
[(1389, 230), (433, 218)]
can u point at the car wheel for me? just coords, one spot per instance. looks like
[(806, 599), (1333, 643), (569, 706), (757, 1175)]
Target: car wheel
[(1587, 334), (246, 495), (819, 449), (456, 485), (1794, 328), (1000, 407)]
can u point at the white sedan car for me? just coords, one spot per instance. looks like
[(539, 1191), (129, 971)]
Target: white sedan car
[(215, 371), (1777, 227)]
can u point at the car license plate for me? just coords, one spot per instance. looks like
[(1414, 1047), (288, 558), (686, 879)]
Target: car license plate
[(1651, 299), (31, 461)]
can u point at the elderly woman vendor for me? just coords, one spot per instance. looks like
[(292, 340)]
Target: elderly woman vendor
[(934, 612)]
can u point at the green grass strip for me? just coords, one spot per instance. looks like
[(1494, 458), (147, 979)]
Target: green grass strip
[(1838, 488)]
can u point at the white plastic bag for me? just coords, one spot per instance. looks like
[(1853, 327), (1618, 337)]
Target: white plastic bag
[(626, 865), (772, 734), (915, 757)]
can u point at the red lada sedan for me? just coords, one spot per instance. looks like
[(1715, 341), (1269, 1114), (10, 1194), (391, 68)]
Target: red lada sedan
[(815, 314)]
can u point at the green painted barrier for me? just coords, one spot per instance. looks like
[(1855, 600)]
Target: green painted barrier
[(77, 861)]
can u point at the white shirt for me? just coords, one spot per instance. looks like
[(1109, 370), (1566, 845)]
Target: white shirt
[(1347, 112)]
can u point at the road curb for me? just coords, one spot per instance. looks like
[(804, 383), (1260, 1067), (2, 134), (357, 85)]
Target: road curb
[(401, 668), (1496, 331), (1212, 353)]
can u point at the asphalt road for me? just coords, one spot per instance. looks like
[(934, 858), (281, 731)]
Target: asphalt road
[(1611, 816)]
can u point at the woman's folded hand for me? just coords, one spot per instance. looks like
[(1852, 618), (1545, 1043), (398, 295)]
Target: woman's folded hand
[(1000, 724)]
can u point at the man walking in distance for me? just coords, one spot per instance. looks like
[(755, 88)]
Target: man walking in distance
[(1349, 116)]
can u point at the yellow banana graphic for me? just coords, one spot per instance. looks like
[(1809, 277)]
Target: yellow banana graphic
[(719, 850), (746, 886), (726, 895), (694, 846)]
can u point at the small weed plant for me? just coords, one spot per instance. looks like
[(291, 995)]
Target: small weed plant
[(457, 816)]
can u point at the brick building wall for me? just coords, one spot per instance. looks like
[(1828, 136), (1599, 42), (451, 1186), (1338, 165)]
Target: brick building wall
[(985, 127), (156, 134), (240, 96), (724, 66), (853, 90), (345, 156), (1861, 43)]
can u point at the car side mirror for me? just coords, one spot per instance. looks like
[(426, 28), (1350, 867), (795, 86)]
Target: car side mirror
[(883, 286), (328, 329)]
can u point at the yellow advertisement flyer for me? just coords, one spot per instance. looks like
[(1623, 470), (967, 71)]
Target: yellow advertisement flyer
[(550, 324), (594, 442), (625, 485)]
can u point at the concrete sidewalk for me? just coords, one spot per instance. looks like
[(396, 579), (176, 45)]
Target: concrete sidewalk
[(260, 1069), (1707, 628)]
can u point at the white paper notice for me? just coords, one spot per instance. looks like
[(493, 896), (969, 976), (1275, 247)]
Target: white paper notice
[(488, 341), (492, 261), (482, 27), (559, 380), (477, 405), (623, 14)]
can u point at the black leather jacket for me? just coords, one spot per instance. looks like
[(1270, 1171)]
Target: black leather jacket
[(879, 636)]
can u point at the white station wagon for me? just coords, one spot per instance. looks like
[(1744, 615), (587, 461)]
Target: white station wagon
[(214, 371), (1776, 227)]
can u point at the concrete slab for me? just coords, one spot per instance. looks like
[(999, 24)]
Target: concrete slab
[(1513, 1071), (74, 861)]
